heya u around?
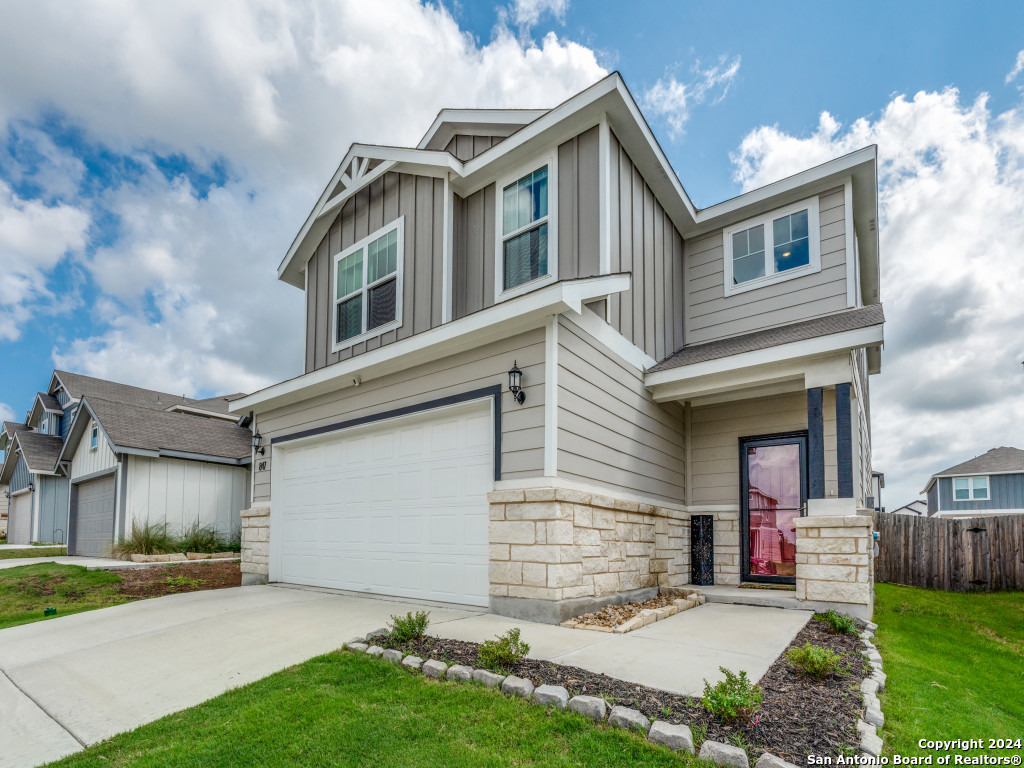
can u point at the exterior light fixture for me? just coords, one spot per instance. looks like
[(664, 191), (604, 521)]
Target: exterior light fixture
[(31, 486), (7, 494), (515, 379), (257, 444)]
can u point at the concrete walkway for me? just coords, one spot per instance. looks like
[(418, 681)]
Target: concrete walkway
[(76, 680)]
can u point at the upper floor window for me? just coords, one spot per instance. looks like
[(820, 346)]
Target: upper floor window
[(368, 286), (525, 242), (970, 489), (44, 424), (94, 436), (772, 248)]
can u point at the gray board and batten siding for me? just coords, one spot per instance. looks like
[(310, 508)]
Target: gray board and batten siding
[(21, 476), (466, 147), (1004, 492), (710, 314), (53, 509)]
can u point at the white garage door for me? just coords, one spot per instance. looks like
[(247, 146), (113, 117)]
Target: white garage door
[(398, 508), (19, 519)]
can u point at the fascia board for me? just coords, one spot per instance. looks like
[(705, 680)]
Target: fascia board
[(462, 120), (167, 454), (488, 325), (835, 342)]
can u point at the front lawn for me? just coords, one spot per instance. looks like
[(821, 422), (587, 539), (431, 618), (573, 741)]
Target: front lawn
[(955, 666), (27, 590), (18, 554), (348, 709)]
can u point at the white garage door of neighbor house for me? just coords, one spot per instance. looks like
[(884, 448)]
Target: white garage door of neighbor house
[(397, 508), (19, 519)]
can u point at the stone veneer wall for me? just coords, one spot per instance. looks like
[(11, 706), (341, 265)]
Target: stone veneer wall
[(834, 563), (255, 545), (555, 552)]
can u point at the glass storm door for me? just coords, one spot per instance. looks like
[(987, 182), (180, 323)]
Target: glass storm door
[(773, 485)]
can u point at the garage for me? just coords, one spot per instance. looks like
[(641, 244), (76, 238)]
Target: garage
[(19, 519), (398, 507), (92, 517)]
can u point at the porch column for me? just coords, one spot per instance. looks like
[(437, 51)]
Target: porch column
[(844, 441), (815, 445)]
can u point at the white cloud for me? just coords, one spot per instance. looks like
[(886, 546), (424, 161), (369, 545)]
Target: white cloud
[(526, 13), (1018, 67), (275, 93), (674, 100), (951, 204), (6, 414)]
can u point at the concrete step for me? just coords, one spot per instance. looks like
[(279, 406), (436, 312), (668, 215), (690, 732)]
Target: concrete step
[(764, 598)]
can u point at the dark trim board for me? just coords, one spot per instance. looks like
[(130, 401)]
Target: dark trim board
[(815, 444), (844, 441), (493, 392)]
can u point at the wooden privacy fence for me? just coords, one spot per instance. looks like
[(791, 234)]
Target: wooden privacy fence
[(978, 553)]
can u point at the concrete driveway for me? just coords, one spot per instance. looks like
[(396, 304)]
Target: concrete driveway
[(76, 680)]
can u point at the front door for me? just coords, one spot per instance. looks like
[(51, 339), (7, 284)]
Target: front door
[(773, 487)]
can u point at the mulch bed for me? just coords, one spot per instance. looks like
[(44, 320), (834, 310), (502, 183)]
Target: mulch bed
[(799, 715), (194, 576)]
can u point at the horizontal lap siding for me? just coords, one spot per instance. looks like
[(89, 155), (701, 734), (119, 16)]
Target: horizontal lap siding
[(1005, 492), (522, 440), (611, 433), (712, 315), (717, 429), (473, 252), (646, 244), (420, 199)]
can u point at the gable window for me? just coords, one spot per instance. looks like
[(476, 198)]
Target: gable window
[(94, 436), (525, 252), (970, 489), (769, 249), (368, 286), (44, 424)]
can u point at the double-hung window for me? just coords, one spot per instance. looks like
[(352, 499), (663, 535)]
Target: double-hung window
[(970, 489), (94, 436), (526, 234), (368, 286), (769, 249)]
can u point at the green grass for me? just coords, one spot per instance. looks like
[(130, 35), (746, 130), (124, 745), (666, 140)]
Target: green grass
[(349, 710), (17, 554), (954, 664), (27, 589)]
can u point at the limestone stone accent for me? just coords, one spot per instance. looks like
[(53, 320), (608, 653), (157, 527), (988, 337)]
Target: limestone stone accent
[(256, 544), (723, 754), (374, 650), (395, 657), (517, 686), (434, 668), (834, 565), (874, 716), (412, 662), (460, 673), (678, 738), (561, 544), (379, 632), (768, 760), (487, 678), (357, 647), (624, 717), (589, 706), (551, 695)]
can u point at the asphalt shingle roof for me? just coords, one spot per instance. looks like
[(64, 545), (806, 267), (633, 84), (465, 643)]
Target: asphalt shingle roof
[(1002, 459), (218, 404), (79, 386), (12, 427), (50, 402), (133, 426), (849, 320), (40, 451)]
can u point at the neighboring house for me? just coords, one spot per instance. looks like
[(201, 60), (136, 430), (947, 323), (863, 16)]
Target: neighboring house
[(917, 508), (531, 362), (95, 457), (4, 503), (990, 484), (877, 484)]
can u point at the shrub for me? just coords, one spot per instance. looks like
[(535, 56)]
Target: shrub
[(837, 623), (409, 627), (146, 539), (816, 660), (734, 698), (202, 538), (503, 652), (234, 540)]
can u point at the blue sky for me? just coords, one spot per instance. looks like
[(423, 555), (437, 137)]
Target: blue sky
[(156, 161)]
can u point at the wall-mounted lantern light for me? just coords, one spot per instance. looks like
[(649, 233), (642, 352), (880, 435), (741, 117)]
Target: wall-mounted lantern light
[(31, 486), (257, 444), (7, 494), (515, 383)]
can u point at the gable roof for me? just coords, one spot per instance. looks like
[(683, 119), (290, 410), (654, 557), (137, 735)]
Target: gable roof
[(848, 320), (1002, 459), (78, 386), (144, 431), (215, 405), (477, 122), (40, 451)]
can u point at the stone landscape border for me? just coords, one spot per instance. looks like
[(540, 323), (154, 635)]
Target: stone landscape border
[(185, 557), (873, 719), (676, 737), (691, 599)]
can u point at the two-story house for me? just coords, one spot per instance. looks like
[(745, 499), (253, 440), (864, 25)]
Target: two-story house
[(96, 457), (534, 369), (989, 484)]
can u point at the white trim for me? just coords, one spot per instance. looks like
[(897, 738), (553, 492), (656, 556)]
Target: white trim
[(970, 488), (447, 253), (476, 329), (604, 143), (951, 514), (612, 339), (94, 427), (524, 483), (766, 220), (551, 398), (851, 249), (477, 122), (548, 158), (365, 286), (203, 412), (834, 342)]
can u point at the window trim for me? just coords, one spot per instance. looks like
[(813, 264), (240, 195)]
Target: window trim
[(337, 346), (970, 488), (549, 159), (94, 435), (771, 278), (44, 424)]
